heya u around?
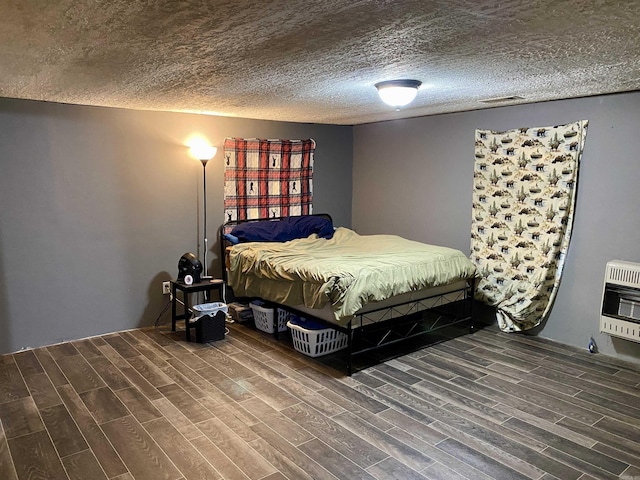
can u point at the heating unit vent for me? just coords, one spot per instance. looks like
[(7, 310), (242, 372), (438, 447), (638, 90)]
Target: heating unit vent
[(620, 328), (620, 315), (627, 275)]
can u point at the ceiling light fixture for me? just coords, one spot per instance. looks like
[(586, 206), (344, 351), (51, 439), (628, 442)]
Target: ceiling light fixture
[(398, 93)]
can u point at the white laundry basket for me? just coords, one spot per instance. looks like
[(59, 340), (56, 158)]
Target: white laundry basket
[(314, 339), (264, 317)]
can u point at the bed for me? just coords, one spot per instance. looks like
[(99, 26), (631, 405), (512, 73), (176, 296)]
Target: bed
[(378, 289)]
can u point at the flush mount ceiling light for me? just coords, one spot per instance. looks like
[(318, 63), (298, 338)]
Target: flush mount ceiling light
[(398, 93)]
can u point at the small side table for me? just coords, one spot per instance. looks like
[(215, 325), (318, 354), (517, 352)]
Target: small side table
[(205, 286)]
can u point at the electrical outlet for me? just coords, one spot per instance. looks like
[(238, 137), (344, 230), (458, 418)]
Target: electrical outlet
[(166, 288)]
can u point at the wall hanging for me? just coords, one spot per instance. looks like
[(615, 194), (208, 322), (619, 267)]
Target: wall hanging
[(267, 178), (524, 195)]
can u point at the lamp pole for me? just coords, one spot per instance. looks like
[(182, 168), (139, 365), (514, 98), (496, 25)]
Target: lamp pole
[(204, 209), (204, 152)]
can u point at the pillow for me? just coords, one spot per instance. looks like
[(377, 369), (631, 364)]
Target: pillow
[(307, 225), (283, 230)]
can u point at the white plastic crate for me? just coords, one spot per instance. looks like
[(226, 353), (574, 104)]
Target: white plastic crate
[(263, 316), (315, 343)]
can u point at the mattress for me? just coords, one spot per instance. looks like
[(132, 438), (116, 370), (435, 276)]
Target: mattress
[(346, 273)]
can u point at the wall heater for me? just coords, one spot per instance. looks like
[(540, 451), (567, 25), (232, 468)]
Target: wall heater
[(620, 315)]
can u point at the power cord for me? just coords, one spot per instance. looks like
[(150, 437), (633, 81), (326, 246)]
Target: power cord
[(164, 309), (155, 324)]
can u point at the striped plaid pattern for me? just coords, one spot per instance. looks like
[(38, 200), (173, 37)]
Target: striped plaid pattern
[(267, 178)]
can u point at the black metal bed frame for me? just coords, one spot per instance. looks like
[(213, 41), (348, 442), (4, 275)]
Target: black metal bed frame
[(389, 325)]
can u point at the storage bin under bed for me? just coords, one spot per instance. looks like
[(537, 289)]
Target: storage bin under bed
[(314, 339), (264, 316)]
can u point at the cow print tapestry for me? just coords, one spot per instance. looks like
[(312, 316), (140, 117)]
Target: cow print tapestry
[(523, 204), (267, 178)]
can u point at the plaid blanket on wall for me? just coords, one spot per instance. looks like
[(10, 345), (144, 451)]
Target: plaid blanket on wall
[(267, 178)]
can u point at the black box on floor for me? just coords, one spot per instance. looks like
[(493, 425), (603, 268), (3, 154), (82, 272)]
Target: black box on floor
[(210, 328), (240, 313)]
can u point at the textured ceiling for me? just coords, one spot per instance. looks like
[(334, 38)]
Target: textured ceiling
[(315, 60)]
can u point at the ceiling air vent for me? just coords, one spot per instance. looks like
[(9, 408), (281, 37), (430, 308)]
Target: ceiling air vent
[(501, 99)]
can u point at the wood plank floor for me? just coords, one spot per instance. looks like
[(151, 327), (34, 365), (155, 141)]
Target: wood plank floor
[(144, 404)]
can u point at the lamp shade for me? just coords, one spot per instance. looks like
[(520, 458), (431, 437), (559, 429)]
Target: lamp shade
[(398, 93), (203, 152)]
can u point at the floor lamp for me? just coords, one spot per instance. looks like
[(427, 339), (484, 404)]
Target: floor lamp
[(204, 153)]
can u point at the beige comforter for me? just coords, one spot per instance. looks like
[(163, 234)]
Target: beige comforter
[(347, 271)]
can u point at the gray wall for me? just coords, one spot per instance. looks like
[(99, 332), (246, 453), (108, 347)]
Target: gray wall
[(414, 177), (98, 205)]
